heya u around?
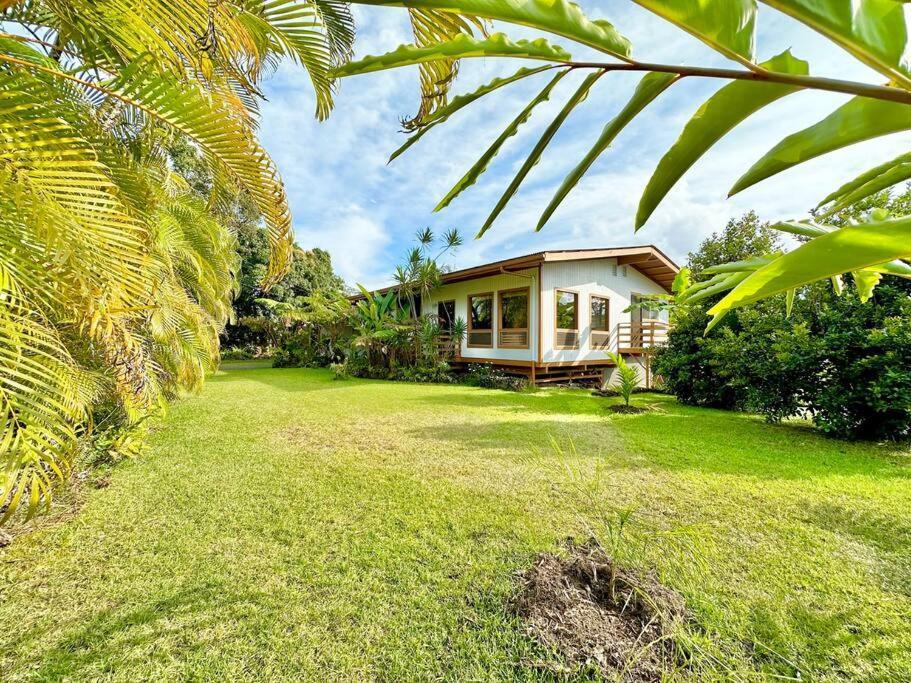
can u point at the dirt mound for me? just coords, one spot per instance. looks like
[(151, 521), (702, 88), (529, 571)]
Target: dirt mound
[(595, 614)]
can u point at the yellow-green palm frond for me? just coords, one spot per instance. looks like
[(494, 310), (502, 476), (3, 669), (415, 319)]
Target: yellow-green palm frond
[(116, 274), (209, 120), (44, 398), (431, 26)]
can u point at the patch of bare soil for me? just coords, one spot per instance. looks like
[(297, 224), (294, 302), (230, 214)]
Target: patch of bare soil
[(594, 613)]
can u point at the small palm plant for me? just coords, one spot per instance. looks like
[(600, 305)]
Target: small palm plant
[(628, 377)]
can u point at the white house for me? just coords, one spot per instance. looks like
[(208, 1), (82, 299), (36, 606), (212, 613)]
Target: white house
[(555, 315)]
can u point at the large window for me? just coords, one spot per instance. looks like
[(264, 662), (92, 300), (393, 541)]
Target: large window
[(600, 322), (513, 328), (480, 320), (567, 319)]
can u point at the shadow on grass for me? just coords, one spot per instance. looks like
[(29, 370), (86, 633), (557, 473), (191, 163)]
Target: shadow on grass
[(724, 443), (118, 638)]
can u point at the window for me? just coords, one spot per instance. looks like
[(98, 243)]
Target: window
[(480, 320), (600, 322), (446, 315), (567, 320), (567, 310), (600, 314), (513, 329)]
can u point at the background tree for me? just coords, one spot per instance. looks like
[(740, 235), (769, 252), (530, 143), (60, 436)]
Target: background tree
[(835, 357), (310, 273), (741, 239)]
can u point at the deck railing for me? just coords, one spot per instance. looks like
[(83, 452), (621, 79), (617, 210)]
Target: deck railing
[(637, 337), (446, 346), (627, 337)]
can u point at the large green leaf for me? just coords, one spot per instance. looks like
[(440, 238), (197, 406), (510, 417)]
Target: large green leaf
[(812, 229), (859, 119), (460, 47), (729, 26), (443, 113), (714, 119), (874, 31), (559, 17), (577, 97), (651, 85), (867, 183), (855, 247), (481, 164)]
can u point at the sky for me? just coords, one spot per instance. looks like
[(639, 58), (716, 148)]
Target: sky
[(347, 200)]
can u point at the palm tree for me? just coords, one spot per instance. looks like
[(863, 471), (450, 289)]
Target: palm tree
[(421, 272), (115, 274)]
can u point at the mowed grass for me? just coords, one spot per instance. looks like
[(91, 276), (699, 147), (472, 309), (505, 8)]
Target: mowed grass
[(284, 526)]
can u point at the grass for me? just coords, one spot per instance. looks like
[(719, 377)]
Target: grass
[(284, 526)]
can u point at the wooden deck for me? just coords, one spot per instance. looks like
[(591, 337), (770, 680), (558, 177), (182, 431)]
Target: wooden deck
[(629, 339)]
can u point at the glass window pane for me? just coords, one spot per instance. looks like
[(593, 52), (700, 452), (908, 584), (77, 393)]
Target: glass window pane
[(599, 314), (481, 312), (514, 310), (566, 311)]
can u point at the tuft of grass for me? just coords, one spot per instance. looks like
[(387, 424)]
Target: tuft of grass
[(283, 526)]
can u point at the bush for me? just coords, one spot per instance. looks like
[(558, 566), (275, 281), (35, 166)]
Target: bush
[(440, 373), (248, 352), (491, 377), (340, 371), (862, 368), (301, 350), (844, 363)]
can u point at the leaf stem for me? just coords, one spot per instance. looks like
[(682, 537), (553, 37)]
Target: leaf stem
[(879, 92)]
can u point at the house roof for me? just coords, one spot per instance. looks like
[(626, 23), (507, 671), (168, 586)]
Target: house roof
[(647, 259)]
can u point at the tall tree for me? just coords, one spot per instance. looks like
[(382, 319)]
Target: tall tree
[(741, 239)]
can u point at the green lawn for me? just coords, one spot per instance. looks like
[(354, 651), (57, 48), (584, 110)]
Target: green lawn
[(284, 526)]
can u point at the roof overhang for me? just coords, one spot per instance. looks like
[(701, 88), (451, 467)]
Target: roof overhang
[(647, 259)]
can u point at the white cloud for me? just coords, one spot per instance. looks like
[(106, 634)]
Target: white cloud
[(356, 242)]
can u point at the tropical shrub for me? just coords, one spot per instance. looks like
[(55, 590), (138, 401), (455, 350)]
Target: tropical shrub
[(440, 373), (248, 352), (849, 367), (875, 32), (312, 329), (340, 371), (627, 377)]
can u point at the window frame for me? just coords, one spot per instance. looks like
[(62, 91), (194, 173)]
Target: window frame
[(471, 328), (557, 292), (526, 329)]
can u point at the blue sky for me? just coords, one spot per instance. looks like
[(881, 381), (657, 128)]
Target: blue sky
[(347, 200)]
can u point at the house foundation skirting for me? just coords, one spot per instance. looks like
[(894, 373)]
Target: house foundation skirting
[(545, 373)]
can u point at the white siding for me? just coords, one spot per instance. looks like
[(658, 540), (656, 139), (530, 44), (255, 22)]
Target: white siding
[(602, 277), (459, 292)]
